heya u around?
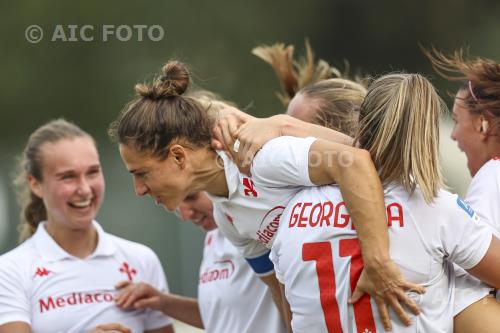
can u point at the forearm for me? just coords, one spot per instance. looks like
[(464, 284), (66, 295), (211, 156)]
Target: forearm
[(182, 308), (364, 198), (294, 127), (274, 286)]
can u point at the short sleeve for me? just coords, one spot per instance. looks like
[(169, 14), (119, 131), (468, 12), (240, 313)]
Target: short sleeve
[(483, 195), (275, 259), (156, 277), (283, 161), (255, 253), (14, 300), (465, 239)]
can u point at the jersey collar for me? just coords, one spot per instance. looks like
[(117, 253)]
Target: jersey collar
[(51, 251), (232, 178)]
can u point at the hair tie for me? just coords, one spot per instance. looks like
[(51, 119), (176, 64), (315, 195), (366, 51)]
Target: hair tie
[(471, 91)]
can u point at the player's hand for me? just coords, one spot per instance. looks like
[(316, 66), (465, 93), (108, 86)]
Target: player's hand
[(227, 122), (250, 137), (111, 328), (387, 287), (138, 296)]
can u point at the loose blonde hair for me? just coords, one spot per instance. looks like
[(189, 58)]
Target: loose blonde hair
[(334, 96), (399, 126)]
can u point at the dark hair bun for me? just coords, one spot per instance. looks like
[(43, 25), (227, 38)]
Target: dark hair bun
[(173, 81)]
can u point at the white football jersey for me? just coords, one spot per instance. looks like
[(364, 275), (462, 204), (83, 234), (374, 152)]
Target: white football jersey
[(317, 257), (249, 216), (483, 195), (230, 296), (54, 292)]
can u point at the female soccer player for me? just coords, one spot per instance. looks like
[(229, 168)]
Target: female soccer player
[(316, 253), (231, 298), (164, 140), (476, 113), (62, 277)]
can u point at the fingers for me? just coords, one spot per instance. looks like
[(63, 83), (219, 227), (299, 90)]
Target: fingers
[(233, 125), (111, 328), (129, 295), (393, 301), (146, 303), (383, 313), (356, 295), (408, 286), (123, 284), (405, 299)]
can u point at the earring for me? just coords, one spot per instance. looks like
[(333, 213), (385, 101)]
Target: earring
[(484, 126)]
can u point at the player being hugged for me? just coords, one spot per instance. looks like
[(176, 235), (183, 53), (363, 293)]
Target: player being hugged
[(62, 277), (317, 254)]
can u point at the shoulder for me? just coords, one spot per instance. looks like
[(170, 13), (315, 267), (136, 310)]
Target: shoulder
[(443, 205), (133, 249), (20, 255), (490, 169), (16, 264)]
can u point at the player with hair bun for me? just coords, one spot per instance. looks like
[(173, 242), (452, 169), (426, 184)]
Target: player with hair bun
[(164, 140), (231, 298)]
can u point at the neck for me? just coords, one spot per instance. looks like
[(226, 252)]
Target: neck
[(78, 243), (210, 176), (494, 149)]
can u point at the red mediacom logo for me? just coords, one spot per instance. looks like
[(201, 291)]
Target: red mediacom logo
[(219, 270), (269, 225), (125, 268), (41, 271)]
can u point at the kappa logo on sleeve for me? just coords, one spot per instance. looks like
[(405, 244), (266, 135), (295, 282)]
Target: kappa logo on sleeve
[(472, 214)]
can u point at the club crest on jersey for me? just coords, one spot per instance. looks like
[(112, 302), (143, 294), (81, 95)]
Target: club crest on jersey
[(42, 271), (467, 209), (249, 188), (126, 269)]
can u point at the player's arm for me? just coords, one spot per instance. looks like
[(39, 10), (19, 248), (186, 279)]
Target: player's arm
[(287, 309), (253, 133), (274, 286), (488, 269), (481, 316), (144, 296), (353, 170), (18, 327)]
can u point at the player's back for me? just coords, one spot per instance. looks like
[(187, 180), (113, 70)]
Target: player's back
[(318, 258)]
